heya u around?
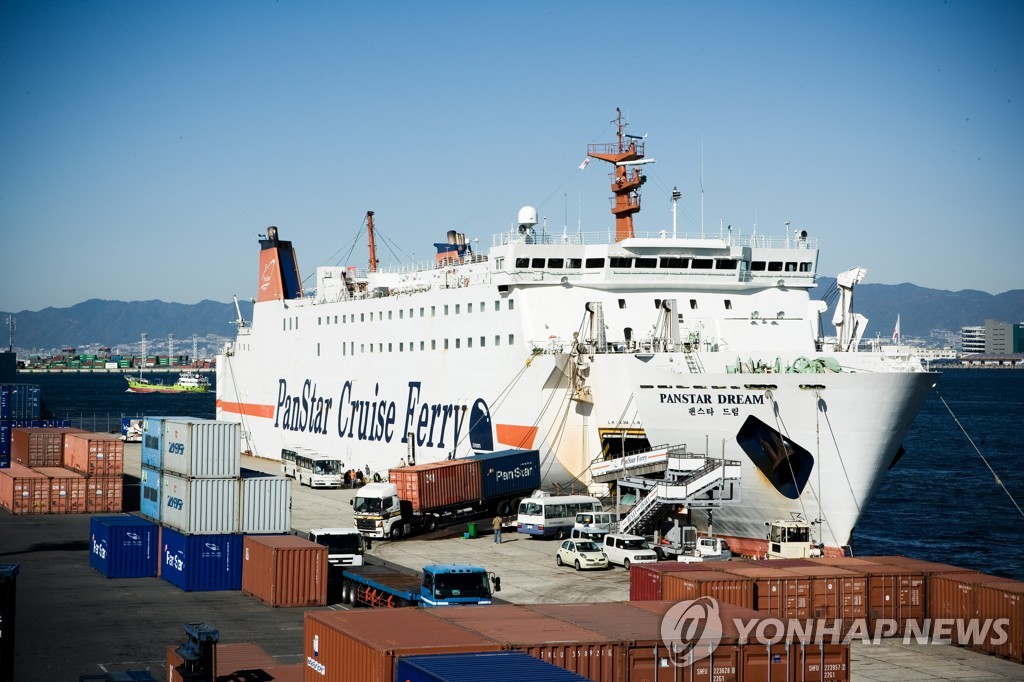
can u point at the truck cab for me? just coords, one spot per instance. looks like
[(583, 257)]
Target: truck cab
[(437, 585), (345, 548), (791, 540), (456, 584), (378, 510)]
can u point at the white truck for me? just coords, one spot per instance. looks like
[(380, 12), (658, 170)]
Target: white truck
[(345, 548), (791, 540), (681, 543)]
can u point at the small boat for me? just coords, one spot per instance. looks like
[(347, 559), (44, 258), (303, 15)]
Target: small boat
[(189, 381)]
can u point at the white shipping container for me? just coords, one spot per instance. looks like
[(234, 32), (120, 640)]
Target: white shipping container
[(264, 503), (199, 506), (201, 448)]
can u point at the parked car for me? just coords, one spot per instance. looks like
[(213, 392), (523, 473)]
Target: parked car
[(625, 550), (581, 554)]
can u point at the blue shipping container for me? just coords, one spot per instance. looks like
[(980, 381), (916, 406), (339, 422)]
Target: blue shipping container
[(123, 546), (153, 442), (149, 493), (201, 563), (501, 666), (5, 434), (509, 472), (20, 401)]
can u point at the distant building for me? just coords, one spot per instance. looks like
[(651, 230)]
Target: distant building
[(1003, 338), (972, 340)]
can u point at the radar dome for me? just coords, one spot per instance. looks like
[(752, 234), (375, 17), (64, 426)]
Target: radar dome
[(527, 216)]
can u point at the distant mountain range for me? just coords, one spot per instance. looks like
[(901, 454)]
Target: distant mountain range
[(932, 315)]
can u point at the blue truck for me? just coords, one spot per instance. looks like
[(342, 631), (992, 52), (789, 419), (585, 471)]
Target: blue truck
[(437, 585)]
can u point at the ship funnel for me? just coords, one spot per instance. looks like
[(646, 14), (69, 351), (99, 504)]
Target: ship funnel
[(452, 237), (527, 217)]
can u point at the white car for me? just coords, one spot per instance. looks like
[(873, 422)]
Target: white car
[(626, 550), (581, 554)]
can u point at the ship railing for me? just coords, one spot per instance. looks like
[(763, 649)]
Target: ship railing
[(608, 237)]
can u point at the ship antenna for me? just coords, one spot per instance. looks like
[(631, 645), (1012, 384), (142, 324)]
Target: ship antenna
[(373, 245)]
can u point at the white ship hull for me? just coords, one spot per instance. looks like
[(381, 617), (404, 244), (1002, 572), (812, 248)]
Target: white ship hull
[(583, 348)]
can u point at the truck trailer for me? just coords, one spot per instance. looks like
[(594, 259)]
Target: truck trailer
[(436, 585)]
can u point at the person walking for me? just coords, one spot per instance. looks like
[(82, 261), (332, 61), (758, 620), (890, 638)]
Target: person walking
[(496, 524)]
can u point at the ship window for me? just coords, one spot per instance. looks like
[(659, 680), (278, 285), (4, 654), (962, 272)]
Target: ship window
[(421, 312), (401, 314), (458, 306), (774, 266), (351, 347), (757, 266), (647, 262), (482, 306), (701, 264), (511, 304), (522, 262), (693, 304), (483, 341), (595, 262), (725, 264), (446, 344), (389, 314), (728, 304), (433, 344), (469, 342), (401, 347), (319, 321), (805, 267), (422, 345), (380, 347), (574, 263), (622, 303), (284, 325), (511, 339), (445, 308), (362, 317), (497, 306), (469, 307), (556, 263), (790, 267), (497, 339), (537, 263), (390, 345), (410, 313), (620, 261), (362, 348), (458, 343), (674, 263)]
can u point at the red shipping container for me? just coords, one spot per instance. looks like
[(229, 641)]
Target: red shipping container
[(719, 585), (363, 645), (94, 454), (640, 632), (646, 581), (952, 596), (1002, 600), (568, 646), (39, 447), (440, 484), (284, 570), (67, 490), (239, 662), (778, 591), (103, 494), (836, 593), (24, 491), (894, 593)]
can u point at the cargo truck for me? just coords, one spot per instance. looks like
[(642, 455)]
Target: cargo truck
[(436, 585), (426, 496)]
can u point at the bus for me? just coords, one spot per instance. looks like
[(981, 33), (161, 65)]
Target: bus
[(553, 515), (312, 468)]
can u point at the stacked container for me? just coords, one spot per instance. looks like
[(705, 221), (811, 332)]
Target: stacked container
[(284, 570), (100, 458), (192, 484), (24, 490), (19, 406)]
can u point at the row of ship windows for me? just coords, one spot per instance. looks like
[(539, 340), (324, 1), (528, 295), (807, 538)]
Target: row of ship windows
[(446, 309), (625, 263), (403, 347)]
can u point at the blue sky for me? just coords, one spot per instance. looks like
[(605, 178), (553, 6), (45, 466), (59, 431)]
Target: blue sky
[(144, 145)]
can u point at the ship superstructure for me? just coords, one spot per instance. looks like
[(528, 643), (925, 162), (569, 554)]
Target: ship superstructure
[(584, 346)]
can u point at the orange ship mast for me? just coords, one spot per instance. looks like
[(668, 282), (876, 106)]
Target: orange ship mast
[(373, 244), (626, 179)]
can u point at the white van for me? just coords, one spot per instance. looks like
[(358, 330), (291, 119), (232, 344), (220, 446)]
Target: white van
[(625, 550), (594, 535), (591, 520)]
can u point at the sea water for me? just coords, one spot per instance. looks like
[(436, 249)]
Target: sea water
[(940, 502)]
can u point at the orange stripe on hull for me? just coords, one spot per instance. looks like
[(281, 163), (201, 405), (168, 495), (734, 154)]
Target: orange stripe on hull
[(247, 409), (516, 436)]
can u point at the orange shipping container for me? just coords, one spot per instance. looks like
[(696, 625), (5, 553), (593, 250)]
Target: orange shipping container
[(836, 593), (778, 591), (646, 581), (67, 490), (363, 645), (94, 454), (640, 632), (724, 587), (103, 494), (24, 491), (1002, 600), (284, 570), (39, 447), (440, 484), (584, 652)]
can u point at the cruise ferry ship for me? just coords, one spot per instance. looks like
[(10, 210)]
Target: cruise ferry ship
[(584, 346)]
